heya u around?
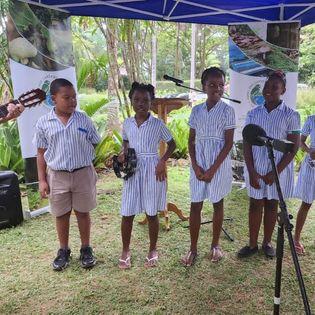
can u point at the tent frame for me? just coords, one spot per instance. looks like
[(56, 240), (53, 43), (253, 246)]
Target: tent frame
[(243, 13)]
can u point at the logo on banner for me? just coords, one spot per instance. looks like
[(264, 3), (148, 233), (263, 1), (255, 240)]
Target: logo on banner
[(44, 84), (255, 94)]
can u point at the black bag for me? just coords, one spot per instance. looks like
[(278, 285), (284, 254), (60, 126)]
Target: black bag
[(11, 213)]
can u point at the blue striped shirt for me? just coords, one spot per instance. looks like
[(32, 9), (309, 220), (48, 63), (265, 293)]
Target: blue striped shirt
[(67, 146)]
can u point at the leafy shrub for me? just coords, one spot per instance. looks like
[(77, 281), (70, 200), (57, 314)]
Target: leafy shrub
[(179, 128)]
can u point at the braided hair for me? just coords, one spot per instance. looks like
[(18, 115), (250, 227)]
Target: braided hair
[(278, 75), (212, 71), (136, 86)]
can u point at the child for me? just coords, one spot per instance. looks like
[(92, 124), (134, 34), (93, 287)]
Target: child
[(211, 134), (280, 122), (65, 139), (145, 191), (305, 186)]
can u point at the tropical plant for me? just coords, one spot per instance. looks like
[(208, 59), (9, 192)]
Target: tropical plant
[(179, 128), (110, 144), (10, 150)]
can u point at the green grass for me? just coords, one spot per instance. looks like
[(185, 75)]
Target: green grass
[(29, 286)]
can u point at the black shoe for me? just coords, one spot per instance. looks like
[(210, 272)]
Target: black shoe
[(86, 257), (62, 260), (246, 251), (268, 250)]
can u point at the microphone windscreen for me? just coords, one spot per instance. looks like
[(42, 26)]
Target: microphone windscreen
[(251, 133)]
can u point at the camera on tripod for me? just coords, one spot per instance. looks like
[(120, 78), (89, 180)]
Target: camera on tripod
[(127, 169)]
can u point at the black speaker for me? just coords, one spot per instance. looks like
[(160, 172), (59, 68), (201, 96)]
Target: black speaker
[(11, 213)]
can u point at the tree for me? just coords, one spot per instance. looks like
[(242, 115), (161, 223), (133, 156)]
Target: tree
[(307, 55)]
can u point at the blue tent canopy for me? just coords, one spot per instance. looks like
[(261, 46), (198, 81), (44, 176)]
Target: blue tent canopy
[(218, 12)]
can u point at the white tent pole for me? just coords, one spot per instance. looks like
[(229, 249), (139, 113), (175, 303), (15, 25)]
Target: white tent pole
[(153, 54), (192, 56)]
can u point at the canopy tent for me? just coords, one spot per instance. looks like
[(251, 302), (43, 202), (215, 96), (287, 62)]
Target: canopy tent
[(216, 12)]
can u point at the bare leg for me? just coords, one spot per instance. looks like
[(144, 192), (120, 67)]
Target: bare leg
[(217, 222), (126, 229), (62, 227), (270, 219), (152, 257), (84, 224), (300, 220), (254, 220), (194, 222)]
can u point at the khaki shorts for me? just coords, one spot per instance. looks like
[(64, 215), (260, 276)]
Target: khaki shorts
[(76, 190)]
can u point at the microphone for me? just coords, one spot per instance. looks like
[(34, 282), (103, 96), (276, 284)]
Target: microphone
[(177, 81), (255, 135)]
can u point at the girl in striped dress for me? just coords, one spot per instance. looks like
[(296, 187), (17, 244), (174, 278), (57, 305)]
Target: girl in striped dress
[(305, 186), (280, 122), (211, 134), (145, 191)]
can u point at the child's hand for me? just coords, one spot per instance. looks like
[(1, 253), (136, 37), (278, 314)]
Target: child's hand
[(199, 171), (160, 171), (44, 189), (254, 179), (121, 157), (208, 175), (269, 178)]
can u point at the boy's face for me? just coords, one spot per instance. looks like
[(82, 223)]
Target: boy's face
[(214, 88), (272, 91), (65, 100), (141, 101)]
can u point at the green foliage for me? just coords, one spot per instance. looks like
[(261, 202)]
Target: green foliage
[(307, 60), (92, 108), (179, 128), (109, 145), (10, 151), (306, 103)]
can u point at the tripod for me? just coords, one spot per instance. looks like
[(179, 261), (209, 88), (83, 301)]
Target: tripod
[(284, 224)]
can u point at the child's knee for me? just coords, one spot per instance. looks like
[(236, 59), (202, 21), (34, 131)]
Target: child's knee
[(152, 218), (128, 219), (256, 205), (82, 215)]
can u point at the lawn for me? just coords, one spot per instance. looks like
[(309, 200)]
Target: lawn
[(29, 285)]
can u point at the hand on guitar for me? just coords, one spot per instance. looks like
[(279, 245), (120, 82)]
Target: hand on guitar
[(14, 108), (14, 111)]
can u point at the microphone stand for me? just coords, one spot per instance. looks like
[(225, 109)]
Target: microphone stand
[(284, 223), (197, 90)]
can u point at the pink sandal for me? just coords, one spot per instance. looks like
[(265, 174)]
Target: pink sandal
[(124, 263)]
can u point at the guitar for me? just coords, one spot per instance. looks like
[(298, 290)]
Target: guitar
[(28, 99)]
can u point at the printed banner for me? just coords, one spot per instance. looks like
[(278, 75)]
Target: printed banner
[(40, 50), (255, 50)]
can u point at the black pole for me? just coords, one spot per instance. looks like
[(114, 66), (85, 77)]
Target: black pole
[(190, 88), (284, 222)]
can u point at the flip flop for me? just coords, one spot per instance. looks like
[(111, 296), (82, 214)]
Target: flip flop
[(186, 258), (151, 262), (124, 263)]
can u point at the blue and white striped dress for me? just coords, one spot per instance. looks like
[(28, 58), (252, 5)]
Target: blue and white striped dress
[(305, 186), (210, 127), (142, 192), (280, 122)]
